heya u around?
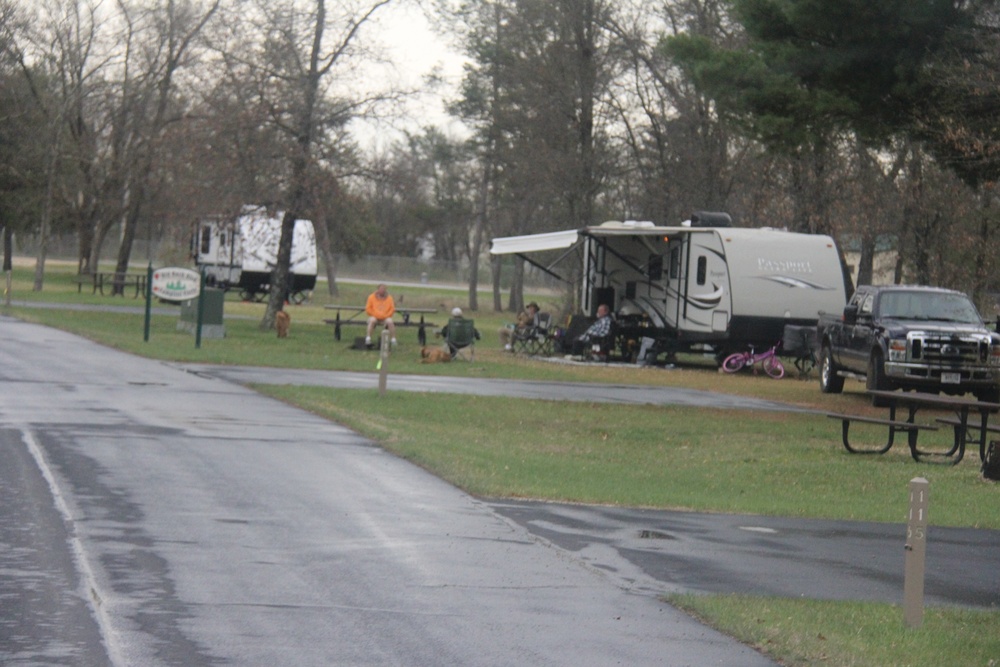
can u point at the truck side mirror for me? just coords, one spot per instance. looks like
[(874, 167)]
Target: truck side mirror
[(850, 314)]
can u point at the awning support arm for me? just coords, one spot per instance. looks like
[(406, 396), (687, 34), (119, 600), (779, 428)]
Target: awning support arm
[(627, 261), (544, 268)]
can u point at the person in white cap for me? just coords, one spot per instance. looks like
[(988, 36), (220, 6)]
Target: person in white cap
[(456, 314)]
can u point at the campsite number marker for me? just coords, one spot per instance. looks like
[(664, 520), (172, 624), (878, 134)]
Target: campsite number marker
[(916, 546)]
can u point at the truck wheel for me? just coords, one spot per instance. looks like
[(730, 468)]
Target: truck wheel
[(876, 380), (829, 381)]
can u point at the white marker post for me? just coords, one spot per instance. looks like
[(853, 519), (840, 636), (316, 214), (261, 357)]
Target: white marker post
[(916, 546), (383, 362)]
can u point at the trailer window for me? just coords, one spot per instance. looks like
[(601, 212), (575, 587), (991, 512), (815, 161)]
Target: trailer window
[(655, 269), (675, 262), (206, 239), (702, 269)]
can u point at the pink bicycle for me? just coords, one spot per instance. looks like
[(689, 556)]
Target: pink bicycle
[(768, 360)]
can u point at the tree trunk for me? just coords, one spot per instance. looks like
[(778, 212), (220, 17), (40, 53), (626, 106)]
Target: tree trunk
[(477, 245), (46, 222), (496, 265), (279, 277), (100, 235), (515, 302), (85, 246), (329, 260), (129, 225), (866, 262), (982, 270)]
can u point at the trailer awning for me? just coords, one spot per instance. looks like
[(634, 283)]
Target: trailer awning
[(511, 245)]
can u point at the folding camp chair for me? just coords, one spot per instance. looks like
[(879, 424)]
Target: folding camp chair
[(461, 338), (536, 339)]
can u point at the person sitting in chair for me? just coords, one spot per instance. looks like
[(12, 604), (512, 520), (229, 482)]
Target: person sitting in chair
[(456, 318), (596, 332), (526, 320)]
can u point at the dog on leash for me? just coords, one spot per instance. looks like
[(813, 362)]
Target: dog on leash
[(282, 321), (434, 355)]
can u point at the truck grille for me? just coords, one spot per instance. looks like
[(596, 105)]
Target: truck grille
[(949, 350)]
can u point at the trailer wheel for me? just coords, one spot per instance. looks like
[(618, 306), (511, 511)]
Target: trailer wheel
[(829, 381), (252, 295)]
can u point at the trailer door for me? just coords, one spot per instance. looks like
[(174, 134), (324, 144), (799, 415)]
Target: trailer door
[(676, 279), (699, 302)]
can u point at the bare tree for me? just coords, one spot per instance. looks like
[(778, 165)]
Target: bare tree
[(42, 68), (537, 96), (289, 51), (115, 68), (149, 104)]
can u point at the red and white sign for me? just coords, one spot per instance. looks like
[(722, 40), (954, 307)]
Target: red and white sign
[(176, 284)]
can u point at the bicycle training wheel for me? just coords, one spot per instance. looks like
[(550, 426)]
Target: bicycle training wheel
[(734, 362), (774, 367)]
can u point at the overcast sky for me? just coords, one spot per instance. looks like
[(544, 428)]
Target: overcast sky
[(416, 51)]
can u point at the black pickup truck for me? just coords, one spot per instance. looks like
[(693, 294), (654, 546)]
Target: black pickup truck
[(910, 337)]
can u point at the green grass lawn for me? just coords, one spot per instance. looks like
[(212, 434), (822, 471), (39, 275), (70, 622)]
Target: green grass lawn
[(704, 459)]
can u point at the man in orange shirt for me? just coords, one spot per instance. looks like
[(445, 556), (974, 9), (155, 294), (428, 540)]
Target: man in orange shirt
[(380, 308)]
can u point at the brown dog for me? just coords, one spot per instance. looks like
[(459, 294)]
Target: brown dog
[(282, 321), (434, 355)]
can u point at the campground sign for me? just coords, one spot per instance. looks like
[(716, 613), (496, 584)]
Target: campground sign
[(175, 284)]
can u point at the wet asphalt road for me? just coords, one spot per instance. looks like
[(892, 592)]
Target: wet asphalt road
[(156, 516), (561, 391), (658, 551)]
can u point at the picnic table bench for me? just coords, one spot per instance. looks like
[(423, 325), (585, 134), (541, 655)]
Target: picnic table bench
[(966, 432), (894, 427), (82, 279), (354, 319)]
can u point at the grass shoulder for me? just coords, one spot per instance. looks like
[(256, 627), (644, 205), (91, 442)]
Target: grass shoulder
[(850, 633)]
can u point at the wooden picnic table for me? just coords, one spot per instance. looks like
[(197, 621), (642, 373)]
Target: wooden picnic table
[(101, 279), (967, 431), (355, 311)]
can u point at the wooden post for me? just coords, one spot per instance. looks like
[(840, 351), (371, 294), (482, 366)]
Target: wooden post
[(916, 546), (383, 362)]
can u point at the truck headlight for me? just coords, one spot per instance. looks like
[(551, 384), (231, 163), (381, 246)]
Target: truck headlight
[(897, 350), (995, 355)]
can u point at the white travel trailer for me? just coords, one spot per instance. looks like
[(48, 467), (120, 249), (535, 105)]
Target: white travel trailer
[(702, 283), (242, 252)]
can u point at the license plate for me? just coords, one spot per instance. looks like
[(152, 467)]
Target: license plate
[(951, 378)]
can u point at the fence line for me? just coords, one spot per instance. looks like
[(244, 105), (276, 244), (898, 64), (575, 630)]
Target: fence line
[(371, 267)]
